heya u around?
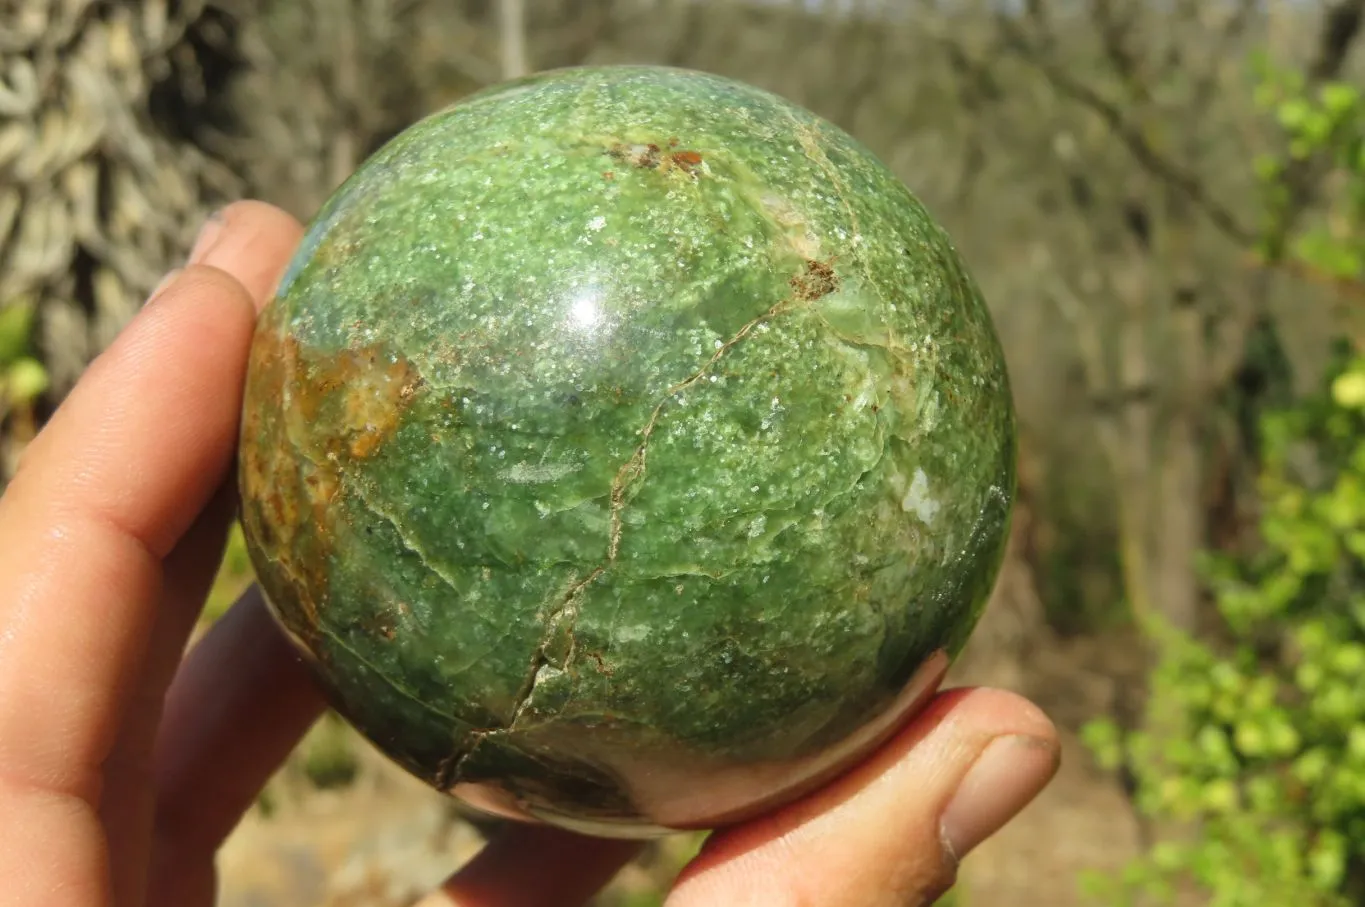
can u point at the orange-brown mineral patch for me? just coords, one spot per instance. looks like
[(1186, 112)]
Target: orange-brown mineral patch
[(310, 415), (649, 156), (276, 511), (687, 161), (818, 279), (376, 389)]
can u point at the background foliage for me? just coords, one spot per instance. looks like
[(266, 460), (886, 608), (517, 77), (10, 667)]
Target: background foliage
[(1264, 750), (1165, 204)]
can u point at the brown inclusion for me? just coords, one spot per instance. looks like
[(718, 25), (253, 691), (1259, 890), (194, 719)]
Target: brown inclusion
[(334, 410), (818, 279)]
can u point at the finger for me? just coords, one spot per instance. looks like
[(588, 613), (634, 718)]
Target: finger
[(236, 708), (101, 496), (533, 866), (890, 833), (252, 242), (107, 488), (127, 800)]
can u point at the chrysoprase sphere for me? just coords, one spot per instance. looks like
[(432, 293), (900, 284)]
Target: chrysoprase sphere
[(626, 448)]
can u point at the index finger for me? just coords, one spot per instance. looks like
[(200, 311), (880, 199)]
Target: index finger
[(102, 495)]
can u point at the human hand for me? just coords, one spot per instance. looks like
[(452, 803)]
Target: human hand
[(124, 767)]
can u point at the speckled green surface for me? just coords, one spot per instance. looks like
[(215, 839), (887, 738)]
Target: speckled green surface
[(620, 428)]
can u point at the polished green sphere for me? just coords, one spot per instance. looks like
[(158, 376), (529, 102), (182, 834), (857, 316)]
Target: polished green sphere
[(625, 447)]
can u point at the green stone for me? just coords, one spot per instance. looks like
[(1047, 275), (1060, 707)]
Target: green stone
[(621, 445)]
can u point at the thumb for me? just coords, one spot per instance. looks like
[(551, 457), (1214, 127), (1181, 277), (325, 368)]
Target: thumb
[(892, 831)]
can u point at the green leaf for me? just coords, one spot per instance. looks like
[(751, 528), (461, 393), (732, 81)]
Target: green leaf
[(1327, 860), (1293, 113), (1355, 744), (1349, 659), (1312, 766), (24, 381), (16, 326), (1338, 98), (1251, 740), (1104, 740), (1220, 796), (1282, 738), (1348, 390)]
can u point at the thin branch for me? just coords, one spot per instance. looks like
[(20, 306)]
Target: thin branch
[(1351, 291), (1037, 13), (1142, 150), (512, 29), (1226, 348), (1113, 32), (1340, 27), (1233, 26)]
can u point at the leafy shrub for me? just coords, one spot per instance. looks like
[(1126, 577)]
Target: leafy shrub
[(1269, 760), (22, 376), (1260, 752)]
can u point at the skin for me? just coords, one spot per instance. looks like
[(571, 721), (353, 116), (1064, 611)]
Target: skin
[(123, 766)]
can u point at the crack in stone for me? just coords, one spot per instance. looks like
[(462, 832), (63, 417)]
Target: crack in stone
[(408, 542), (394, 685), (448, 773), (451, 768), (562, 617), (634, 468), (808, 137)]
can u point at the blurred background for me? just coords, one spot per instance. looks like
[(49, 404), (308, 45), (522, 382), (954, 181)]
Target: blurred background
[(1164, 201)]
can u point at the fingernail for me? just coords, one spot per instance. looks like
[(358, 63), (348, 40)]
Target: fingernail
[(208, 236), (165, 282), (1005, 778)]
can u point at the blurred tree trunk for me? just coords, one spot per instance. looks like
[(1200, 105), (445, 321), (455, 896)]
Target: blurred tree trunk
[(1161, 340), (512, 34)]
